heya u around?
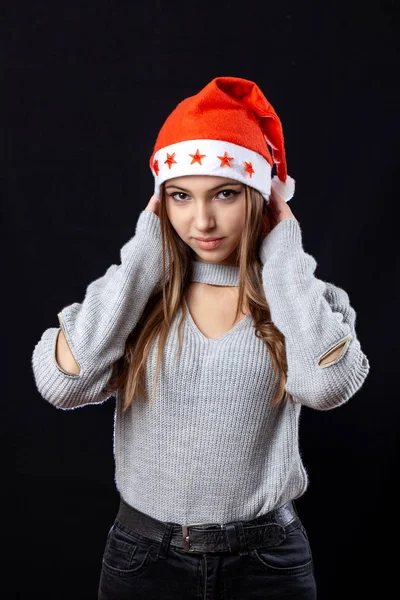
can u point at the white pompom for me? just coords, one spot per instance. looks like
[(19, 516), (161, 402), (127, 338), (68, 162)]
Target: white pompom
[(286, 190)]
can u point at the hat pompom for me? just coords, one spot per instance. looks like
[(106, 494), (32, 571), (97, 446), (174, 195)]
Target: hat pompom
[(284, 189)]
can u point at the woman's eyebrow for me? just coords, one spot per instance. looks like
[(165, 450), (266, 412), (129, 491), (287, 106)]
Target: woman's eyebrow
[(226, 184)]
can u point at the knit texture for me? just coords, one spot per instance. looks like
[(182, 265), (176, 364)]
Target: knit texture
[(211, 448)]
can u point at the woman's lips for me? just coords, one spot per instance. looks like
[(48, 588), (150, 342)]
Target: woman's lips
[(209, 245)]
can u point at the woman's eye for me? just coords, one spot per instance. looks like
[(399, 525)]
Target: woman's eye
[(181, 193), (232, 193), (229, 192)]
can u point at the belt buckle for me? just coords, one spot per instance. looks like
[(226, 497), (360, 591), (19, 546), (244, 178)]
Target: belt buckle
[(186, 536)]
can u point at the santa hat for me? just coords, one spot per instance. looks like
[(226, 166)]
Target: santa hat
[(224, 130)]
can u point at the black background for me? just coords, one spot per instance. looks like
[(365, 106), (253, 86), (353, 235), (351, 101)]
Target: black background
[(88, 86)]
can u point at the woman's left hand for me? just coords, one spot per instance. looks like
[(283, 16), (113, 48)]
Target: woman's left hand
[(277, 211)]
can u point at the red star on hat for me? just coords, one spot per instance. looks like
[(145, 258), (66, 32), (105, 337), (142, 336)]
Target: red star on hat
[(249, 168), (170, 160), (225, 160), (156, 167), (197, 157)]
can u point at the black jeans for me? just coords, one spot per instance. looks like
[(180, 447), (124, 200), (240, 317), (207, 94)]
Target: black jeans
[(135, 567)]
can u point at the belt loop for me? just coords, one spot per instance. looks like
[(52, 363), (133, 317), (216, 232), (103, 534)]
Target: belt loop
[(232, 537), (169, 528), (237, 538)]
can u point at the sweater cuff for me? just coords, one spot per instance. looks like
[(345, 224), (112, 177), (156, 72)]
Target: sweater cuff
[(284, 234)]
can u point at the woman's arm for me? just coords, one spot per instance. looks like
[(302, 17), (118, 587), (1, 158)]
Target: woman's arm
[(326, 365), (95, 331), (64, 357)]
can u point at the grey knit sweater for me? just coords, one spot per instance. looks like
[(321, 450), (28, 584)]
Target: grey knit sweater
[(210, 449)]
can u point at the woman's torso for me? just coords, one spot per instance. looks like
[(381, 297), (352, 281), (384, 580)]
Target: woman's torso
[(210, 448)]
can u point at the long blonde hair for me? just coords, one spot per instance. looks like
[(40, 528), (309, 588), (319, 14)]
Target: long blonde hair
[(129, 370)]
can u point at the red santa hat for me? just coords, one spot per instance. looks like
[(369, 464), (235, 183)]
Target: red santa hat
[(224, 130)]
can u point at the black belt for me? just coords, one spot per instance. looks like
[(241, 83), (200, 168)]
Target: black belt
[(264, 531)]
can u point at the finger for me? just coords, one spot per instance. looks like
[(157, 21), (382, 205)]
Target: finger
[(277, 197)]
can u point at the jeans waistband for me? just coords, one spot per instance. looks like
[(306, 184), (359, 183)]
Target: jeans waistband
[(197, 538)]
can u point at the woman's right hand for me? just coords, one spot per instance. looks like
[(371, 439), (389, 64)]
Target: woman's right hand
[(154, 205)]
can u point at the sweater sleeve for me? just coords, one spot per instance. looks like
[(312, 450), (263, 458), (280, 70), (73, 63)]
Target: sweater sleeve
[(315, 317), (96, 329)]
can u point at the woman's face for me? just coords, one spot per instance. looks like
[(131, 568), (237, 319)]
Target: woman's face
[(202, 206)]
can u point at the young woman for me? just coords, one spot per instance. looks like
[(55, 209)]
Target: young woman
[(210, 348)]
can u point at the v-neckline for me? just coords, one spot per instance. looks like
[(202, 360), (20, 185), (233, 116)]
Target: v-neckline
[(201, 335)]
